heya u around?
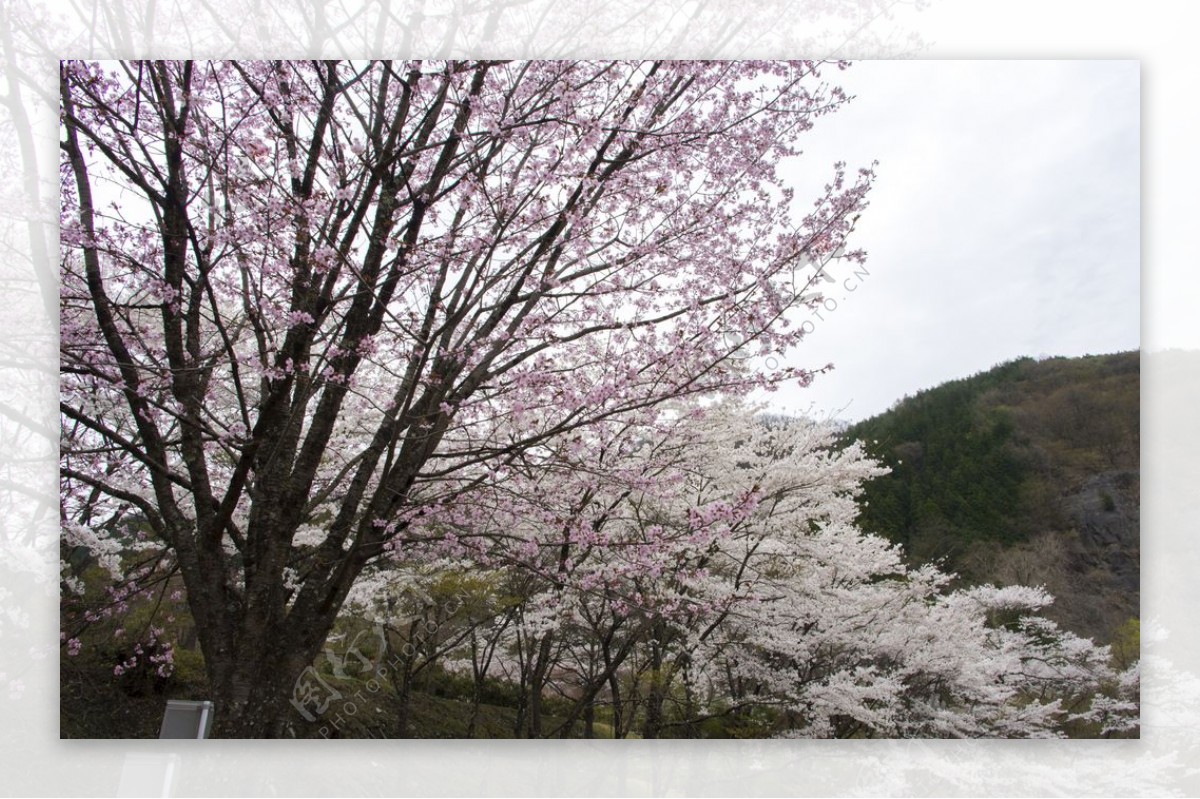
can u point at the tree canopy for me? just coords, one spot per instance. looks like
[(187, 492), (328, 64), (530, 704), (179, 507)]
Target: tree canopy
[(308, 306)]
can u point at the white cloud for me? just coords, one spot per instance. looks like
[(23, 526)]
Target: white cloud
[(1004, 223)]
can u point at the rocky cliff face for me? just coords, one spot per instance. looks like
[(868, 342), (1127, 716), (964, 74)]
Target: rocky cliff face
[(1104, 555), (1105, 512)]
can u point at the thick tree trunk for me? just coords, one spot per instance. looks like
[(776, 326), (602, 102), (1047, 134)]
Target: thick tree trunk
[(253, 698), (260, 674), (261, 714)]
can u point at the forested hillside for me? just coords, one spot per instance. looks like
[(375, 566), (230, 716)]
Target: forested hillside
[(1027, 473)]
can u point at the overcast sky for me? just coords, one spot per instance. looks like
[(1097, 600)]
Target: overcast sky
[(1004, 222)]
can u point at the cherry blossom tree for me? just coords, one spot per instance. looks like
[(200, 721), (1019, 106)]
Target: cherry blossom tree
[(308, 308), (713, 571), (823, 625)]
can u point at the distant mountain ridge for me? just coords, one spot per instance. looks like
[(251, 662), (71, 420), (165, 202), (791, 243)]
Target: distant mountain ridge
[(1025, 473)]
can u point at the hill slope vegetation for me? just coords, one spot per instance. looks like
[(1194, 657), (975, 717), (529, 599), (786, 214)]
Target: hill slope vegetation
[(1026, 473)]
